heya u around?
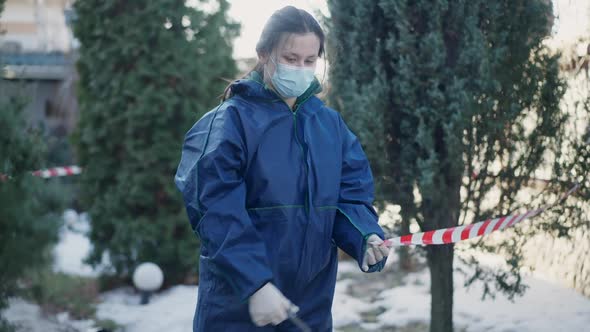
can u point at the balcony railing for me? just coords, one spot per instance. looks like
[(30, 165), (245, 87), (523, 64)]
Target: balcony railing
[(43, 66)]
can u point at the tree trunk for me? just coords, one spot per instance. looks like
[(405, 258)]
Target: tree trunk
[(440, 262), (405, 260)]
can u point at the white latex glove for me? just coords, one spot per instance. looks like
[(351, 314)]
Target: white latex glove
[(374, 252), (269, 306)]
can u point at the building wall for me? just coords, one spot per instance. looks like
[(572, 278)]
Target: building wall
[(43, 108), (35, 70), (37, 25)]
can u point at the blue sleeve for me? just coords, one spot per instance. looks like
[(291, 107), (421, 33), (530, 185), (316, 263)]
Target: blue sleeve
[(356, 219), (210, 177)]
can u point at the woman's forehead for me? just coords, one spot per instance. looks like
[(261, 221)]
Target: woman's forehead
[(304, 45)]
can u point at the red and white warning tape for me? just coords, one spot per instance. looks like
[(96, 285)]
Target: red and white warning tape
[(460, 233), (51, 172), (58, 171), (439, 236)]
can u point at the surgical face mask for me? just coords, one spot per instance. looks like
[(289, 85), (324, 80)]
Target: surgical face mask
[(291, 81)]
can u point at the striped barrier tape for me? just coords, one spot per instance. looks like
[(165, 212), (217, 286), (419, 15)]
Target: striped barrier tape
[(58, 171), (439, 236), (51, 172), (465, 232)]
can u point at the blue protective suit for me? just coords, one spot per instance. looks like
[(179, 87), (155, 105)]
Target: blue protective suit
[(271, 193)]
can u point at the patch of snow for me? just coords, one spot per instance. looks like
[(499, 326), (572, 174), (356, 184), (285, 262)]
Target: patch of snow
[(74, 246), (346, 309), (346, 267), (28, 317), (171, 310), (70, 252), (408, 303), (544, 306)]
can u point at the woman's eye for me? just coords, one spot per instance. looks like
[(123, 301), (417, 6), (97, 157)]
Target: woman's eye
[(291, 59)]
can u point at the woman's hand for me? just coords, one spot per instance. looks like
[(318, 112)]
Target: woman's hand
[(269, 306), (375, 252)]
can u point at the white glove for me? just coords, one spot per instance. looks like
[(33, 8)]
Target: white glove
[(375, 252), (269, 306)]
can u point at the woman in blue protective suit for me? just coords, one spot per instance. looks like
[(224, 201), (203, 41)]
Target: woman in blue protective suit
[(274, 181)]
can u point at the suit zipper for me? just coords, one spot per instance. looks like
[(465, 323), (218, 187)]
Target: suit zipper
[(304, 156), (304, 160)]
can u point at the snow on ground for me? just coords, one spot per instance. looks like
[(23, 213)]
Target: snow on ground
[(73, 246), (347, 309), (28, 317), (362, 302), (544, 307), (171, 310)]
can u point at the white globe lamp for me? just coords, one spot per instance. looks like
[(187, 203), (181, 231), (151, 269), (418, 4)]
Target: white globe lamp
[(147, 278)]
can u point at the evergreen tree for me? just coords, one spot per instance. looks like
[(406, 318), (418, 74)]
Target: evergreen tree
[(441, 90), (148, 70), (27, 225)]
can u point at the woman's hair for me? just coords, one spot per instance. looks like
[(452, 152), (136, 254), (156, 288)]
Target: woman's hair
[(285, 20)]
